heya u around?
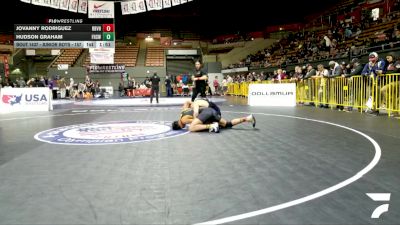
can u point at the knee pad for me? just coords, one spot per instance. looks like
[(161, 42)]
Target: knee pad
[(229, 124)]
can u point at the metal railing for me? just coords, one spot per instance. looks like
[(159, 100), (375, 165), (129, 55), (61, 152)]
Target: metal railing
[(359, 92)]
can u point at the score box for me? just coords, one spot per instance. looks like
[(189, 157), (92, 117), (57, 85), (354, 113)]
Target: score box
[(108, 36), (108, 27)]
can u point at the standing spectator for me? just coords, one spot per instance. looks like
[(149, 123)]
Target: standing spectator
[(320, 77), (335, 69), (155, 87), (121, 89), (393, 66), (321, 72), (89, 84), (310, 71), (168, 86), (216, 85), (224, 86), (375, 66), (298, 74), (391, 83), (356, 68), (229, 79), (16, 84), (42, 81), (71, 87), (63, 87), (51, 87), (345, 69), (21, 83), (280, 75)]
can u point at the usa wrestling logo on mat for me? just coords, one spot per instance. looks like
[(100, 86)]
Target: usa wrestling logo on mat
[(105, 133)]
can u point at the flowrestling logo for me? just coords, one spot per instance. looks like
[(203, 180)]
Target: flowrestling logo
[(109, 133)]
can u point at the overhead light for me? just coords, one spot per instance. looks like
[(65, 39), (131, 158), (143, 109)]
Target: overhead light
[(175, 43), (149, 38)]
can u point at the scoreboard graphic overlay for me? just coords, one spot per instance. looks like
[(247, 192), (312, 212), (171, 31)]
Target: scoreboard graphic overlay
[(64, 35)]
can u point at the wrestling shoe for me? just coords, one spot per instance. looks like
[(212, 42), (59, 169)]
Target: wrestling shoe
[(214, 127), (252, 119)]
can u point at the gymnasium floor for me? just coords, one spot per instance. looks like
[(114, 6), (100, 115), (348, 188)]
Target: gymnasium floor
[(301, 165)]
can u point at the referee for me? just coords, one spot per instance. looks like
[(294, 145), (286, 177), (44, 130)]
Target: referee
[(155, 86), (200, 79)]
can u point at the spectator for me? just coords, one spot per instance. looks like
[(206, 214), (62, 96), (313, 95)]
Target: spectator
[(298, 74), (321, 71), (216, 85), (42, 81), (229, 80), (356, 68), (62, 86), (310, 71), (335, 69), (71, 87), (21, 83), (121, 89), (168, 86), (328, 43), (393, 66), (375, 66), (224, 86), (391, 84), (345, 68), (280, 75)]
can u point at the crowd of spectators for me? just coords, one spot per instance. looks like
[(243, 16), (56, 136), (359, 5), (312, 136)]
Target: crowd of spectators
[(59, 86), (344, 39), (375, 66), (389, 64)]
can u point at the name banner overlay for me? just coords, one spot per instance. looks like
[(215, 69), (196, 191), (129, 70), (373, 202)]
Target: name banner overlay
[(115, 68), (25, 99), (272, 95)]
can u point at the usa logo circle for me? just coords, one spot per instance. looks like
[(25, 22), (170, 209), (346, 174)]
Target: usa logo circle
[(105, 133)]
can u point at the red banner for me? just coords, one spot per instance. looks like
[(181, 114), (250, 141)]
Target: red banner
[(6, 67)]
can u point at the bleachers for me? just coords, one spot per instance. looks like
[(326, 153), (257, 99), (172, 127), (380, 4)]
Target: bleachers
[(155, 56), (123, 55), (68, 56), (371, 31)]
